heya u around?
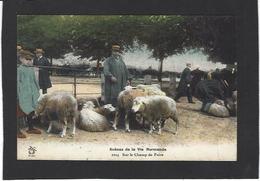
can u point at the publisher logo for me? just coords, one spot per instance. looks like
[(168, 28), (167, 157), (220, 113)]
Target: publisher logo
[(31, 151)]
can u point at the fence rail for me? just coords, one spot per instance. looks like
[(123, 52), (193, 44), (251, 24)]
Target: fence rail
[(74, 72)]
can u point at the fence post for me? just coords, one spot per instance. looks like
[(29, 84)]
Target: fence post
[(172, 84), (75, 84)]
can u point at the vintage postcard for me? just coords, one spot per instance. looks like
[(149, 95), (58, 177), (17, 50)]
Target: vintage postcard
[(126, 87)]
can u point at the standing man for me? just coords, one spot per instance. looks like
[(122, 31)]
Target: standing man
[(184, 87), (116, 75), (43, 76)]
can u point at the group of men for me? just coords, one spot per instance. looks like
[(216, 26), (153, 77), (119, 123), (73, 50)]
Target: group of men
[(115, 73), (117, 77)]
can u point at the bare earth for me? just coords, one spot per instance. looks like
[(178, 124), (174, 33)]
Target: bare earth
[(200, 137)]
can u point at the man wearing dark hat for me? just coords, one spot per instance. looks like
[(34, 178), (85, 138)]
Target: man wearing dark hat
[(44, 77), (27, 94), (116, 75), (184, 87)]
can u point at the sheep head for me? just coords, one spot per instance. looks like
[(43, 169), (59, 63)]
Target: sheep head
[(41, 105), (89, 105), (109, 107), (139, 104)]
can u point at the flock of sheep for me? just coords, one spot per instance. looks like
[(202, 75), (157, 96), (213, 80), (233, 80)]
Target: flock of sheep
[(149, 106), (147, 103)]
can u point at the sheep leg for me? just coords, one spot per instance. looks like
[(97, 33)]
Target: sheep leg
[(163, 123), (159, 127), (49, 128), (127, 129), (116, 120), (176, 120), (154, 128), (144, 128), (64, 128), (151, 128), (74, 126)]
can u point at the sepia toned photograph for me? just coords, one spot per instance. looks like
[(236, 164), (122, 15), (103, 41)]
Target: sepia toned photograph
[(127, 87)]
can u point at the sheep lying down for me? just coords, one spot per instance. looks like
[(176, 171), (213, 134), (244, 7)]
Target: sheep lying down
[(90, 120), (82, 100), (216, 109), (156, 109), (153, 89), (106, 110), (58, 106), (221, 109)]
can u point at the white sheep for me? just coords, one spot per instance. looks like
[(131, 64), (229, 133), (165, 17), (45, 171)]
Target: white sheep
[(58, 106), (222, 108), (107, 110), (82, 100), (89, 120), (124, 105), (217, 109), (125, 101), (156, 109), (153, 89)]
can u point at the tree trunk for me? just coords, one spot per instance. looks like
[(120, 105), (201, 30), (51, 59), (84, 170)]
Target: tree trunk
[(98, 61), (160, 72)]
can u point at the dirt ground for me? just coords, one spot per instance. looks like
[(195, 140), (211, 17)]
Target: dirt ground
[(200, 137)]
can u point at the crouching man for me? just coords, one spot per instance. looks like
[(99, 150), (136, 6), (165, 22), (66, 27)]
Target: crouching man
[(27, 93)]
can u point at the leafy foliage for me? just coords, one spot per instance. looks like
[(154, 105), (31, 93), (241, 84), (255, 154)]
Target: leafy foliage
[(217, 36), (92, 36), (47, 32)]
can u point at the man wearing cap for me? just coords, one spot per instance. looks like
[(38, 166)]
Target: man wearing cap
[(184, 87), (27, 94), (116, 76), (44, 77)]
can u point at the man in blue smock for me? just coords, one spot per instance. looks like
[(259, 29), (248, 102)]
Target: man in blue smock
[(116, 75)]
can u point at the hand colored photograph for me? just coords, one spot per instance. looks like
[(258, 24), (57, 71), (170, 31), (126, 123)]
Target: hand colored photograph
[(127, 87)]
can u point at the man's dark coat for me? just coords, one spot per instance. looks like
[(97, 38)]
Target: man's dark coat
[(44, 77), (186, 78)]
